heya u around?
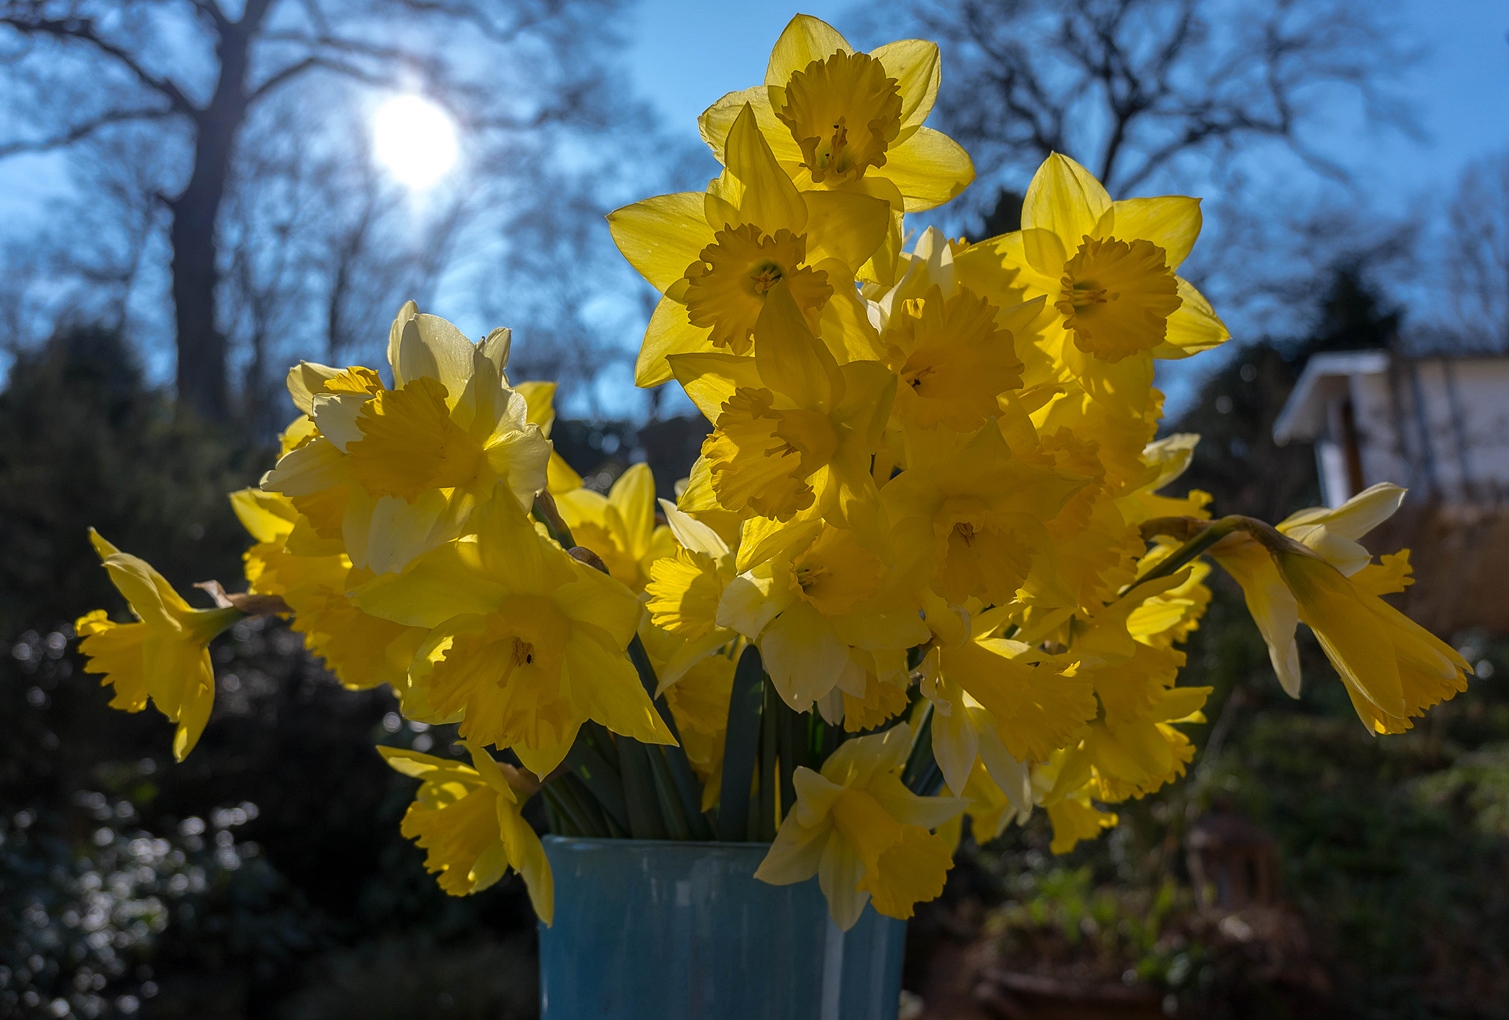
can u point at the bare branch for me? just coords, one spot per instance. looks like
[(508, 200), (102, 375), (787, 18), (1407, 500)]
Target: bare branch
[(84, 30), (83, 130)]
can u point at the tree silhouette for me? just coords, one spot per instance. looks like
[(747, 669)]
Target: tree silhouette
[(179, 84)]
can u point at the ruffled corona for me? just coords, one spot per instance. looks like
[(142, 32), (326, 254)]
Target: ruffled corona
[(761, 457), (726, 286), (952, 359), (842, 112), (1117, 297)]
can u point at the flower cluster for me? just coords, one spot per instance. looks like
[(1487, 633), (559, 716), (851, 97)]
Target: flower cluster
[(922, 568)]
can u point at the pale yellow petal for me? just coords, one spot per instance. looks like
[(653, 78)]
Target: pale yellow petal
[(662, 236), (1065, 199), (710, 379), (1172, 222), (770, 200), (930, 168), (915, 66), (607, 688), (669, 332), (846, 226), (1193, 327), (716, 120), (803, 40)]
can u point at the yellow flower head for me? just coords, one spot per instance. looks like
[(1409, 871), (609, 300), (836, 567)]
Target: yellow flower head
[(1313, 569), (840, 119), (818, 608), (794, 430), (1107, 271), (953, 360), (842, 111), (525, 643), (163, 656), (989, 697), (865, 835), (969, 515), (620, 527), (717, 257), (726, 286), (469, 821), (684, 592), (393, 472), (361, 650)]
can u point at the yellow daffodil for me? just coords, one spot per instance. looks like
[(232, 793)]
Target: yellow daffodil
[(469, 821), (525, 643), (970, 515), (793, 430), (865, 835), (818, 609), (1107, 269), (684, 591), (840, 119), (992, 807), (360, 649), (991, 700), (1074, 818), (716, 257), (1133, 747), (164, 655), (1312, 569), (395, 472), (620, 527), (1393, 668)]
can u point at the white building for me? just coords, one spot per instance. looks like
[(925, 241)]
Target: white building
[(1437, 425)]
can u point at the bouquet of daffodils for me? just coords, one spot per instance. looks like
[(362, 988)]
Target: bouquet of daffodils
[(921, 570)]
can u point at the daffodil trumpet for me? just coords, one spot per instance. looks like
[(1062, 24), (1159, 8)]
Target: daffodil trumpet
[(926, 577)]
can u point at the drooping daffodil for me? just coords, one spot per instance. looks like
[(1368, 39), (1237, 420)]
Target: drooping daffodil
[(164, 655), (468, 820), (525, 643), (863, 833)]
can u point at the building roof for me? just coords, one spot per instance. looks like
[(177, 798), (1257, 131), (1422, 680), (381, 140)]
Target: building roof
[(1324, 377)]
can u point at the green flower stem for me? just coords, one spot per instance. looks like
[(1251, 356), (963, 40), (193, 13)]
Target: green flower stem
[(740, 746), (546, 512), (640, 799), (786, 742), (921, 758), (762, 828), (676, 824), (686, 791), (1207, 535), (565, 809), (601, 780)]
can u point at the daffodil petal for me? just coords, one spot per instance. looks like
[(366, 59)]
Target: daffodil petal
[(914, 64), (803, 40), (1172, 222), (669, 332), (1065, 199), (929, 168), (662, 236)]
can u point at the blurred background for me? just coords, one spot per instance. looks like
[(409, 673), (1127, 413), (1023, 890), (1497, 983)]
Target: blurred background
[(196, 193)]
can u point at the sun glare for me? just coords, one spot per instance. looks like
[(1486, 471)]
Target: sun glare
[(414, 140)]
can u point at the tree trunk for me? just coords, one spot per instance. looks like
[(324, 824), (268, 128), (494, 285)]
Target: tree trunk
[(202, 349)]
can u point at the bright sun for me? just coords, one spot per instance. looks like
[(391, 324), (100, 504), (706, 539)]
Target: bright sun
[(414, 140)]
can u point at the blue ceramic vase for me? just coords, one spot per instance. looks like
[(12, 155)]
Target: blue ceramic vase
[(659, 930)]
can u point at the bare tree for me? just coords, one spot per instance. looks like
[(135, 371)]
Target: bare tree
[(1135, 88), (1475, 256), (192, 75)]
